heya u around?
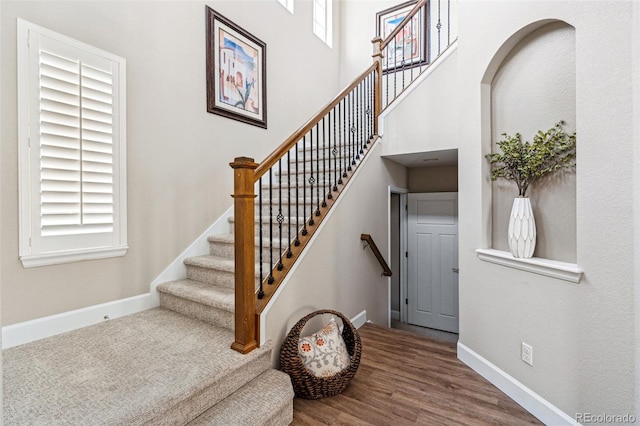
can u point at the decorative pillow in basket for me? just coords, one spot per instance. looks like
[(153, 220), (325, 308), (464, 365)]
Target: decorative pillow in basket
[(323, 363)]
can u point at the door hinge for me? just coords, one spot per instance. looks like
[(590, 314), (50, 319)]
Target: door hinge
[(406, 301), (406, 254)]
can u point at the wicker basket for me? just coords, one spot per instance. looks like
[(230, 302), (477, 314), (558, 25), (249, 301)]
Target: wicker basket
[(305, 384)]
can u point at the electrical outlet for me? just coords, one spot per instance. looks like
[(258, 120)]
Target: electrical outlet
[(527, 353)]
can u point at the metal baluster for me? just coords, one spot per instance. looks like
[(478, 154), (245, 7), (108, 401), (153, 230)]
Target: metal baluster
[(271, 278), (363, 129), (325, 153), (297, 242), (439, 26), (335, 152), (387, 81), (261, 290), (352, 116), (428, 24), (331, 152), (395, 71), (350, 133), (372, 94), (311, 182), (404, 59), (289, 252), (304, 185), (341, 116), (356, 126), (412, 48), (317, 212), (280, 217)]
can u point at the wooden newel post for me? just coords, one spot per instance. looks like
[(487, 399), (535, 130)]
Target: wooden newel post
[(377, 59), (244, 234)]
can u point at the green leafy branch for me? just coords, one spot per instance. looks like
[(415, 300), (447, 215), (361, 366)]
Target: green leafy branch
[(526, 162)]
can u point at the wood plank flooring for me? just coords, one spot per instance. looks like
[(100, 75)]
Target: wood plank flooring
[(406, 379)]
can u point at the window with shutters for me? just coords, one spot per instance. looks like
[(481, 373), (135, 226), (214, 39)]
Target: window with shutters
[(322, 20), (71, 114)]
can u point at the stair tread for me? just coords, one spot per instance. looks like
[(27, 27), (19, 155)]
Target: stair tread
[(197, 291), (127, 370), (253, 403), (230, 239), (214, 262)]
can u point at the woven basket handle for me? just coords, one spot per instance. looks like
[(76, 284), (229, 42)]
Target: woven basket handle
[(300, 324)]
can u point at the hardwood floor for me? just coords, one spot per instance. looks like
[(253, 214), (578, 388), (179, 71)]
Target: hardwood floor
[(406, 379)]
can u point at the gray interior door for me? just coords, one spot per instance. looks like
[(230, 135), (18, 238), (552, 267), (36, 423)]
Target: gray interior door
[(433, 260)]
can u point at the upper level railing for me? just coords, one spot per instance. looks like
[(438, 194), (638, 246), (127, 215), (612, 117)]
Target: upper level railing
[(297, 184), (424, 34)]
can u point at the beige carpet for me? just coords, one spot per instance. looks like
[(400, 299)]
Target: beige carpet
[(126, 371)]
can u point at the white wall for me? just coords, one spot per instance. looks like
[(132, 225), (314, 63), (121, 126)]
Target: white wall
[(582, 334), (336, 272), (179, 180), (426, 120)]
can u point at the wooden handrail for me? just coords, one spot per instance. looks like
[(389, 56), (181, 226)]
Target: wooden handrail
[(248, 303), (273, 158), (406, 19), (386, 271)]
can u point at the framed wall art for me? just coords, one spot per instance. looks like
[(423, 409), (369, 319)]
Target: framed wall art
[(409, 47), (236, 72)]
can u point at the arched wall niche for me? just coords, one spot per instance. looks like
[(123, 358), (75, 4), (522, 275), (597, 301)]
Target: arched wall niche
[(529, 86)]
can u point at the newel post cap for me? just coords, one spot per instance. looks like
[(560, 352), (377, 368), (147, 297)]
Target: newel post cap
[(243, 163)]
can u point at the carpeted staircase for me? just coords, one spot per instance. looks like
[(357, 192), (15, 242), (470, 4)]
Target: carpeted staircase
[(170, 365)]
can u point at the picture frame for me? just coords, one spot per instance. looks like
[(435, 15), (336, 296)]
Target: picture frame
[(236, 71), (410, 47)]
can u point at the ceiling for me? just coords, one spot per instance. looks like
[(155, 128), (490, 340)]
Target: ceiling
[(447, 157)]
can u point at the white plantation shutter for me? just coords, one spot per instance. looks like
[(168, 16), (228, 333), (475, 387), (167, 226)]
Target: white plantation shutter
[(74, 179)]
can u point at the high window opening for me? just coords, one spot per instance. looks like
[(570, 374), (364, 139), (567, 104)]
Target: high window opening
[(322, 20)]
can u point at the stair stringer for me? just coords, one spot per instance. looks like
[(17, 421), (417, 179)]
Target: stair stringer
[(278, 316), (177, 269)]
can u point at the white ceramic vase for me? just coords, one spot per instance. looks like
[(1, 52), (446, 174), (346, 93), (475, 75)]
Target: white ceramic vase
[(522, 228)]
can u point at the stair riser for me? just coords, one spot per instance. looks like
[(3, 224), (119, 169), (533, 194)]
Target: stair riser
[(307, 173), (199, 311), (227, 250), (212, 276), (274, 232), (274, 210), (188, 410)]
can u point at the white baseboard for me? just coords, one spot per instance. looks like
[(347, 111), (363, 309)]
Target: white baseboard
[(177, 269), (360, 319), (529, 400), (395, 315), (28, 331)]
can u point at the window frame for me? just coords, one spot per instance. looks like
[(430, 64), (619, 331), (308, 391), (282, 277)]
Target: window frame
[(326, 20), (77, 246)]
